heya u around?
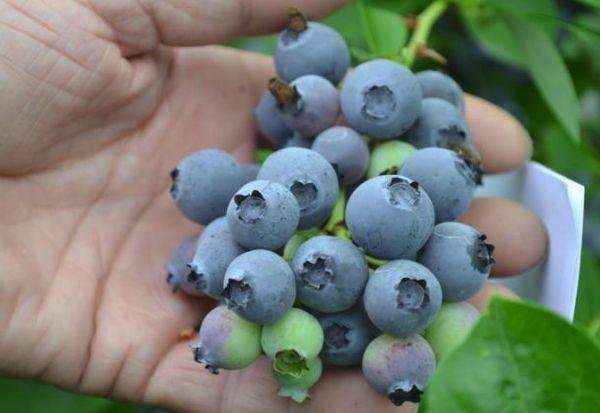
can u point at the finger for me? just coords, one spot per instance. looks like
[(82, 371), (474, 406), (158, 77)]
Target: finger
[(181, 385), (140, 25), (517, 233), (502, 141), (489, 290)]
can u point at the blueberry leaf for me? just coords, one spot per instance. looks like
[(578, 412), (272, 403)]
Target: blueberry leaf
[(592, 3), (385, 32), (519, 358), (587, 311), (549, 72)]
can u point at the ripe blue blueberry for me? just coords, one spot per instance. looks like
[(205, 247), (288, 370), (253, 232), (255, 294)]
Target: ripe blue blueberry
[(390, 216), (297, 388), (399, 367), (441, 124), (346, 151), (451, 327), (203, 184), (308, 105), (311, 179), (347, 334), (298, 141), (227, 341), (310, 48), (448, 178), (402, 297), (436, 84), (250, 172), (263, 215), (460, 259), (270, 122), (292, 341), (216, 249), (331, 274), (381, 99), (259, 286), (177, 267)]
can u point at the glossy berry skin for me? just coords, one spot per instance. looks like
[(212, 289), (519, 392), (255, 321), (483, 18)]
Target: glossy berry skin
[(381, 99), (216, 249), (311, 179), (297, 388), (316, 107), (390, 216), (346, 151), (347, 334), (269, 120), (317, 50), (291, 341), (451, 327), (331, 273), (263, 215), (227, 341), (460, 259), (402, 297), (388, 157), (448, 178), (399, 367), (203, 184), (177, 267), (436, 84), (259, 286), (441, 125)]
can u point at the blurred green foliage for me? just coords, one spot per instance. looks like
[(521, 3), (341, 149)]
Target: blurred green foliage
[(538, 59)]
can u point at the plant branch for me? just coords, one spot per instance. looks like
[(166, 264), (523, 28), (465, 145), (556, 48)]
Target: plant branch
[(425, 22)]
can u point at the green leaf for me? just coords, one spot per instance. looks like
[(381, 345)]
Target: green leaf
[(592, 3), (387, 30), (549, 73), (487, 25), (347, 22), (587, 310), (565, 156), (362, 55), (23, 396), (520, 358)]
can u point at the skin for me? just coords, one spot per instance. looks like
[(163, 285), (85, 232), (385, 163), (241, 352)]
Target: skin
[(80, 223)]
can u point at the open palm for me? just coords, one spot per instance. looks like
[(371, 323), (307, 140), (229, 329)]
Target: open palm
[(96, 107)]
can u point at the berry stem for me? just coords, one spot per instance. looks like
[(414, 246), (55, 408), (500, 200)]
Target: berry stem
[(283, 92), (296, 20), (337, 215), (425, 22)]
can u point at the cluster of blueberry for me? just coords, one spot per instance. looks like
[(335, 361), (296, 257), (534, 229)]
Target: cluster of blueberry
[(361, 216)]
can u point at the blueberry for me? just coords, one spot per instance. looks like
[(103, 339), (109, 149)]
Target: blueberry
[(347, 334), (311, 179), (402, 297), (177, 267), (250, 172), (451, 327), (298, 141), (259, 286), (381, 99), (448, 178), (308, 105), (441, 124), (331, 274), (297, 388), (270, 122), (216, 249), (203, 184), (292, 341), (388, 157), (390, 217), (227, 341), (436, 84), (460, 259), (399, 367), (346, 151), (263, 215), (310, 48)]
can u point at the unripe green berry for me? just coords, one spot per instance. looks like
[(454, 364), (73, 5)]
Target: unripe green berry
[(451, 327), (297, 387), (388, 157)]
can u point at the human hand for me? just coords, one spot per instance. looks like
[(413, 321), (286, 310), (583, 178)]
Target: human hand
[(97, 106)]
